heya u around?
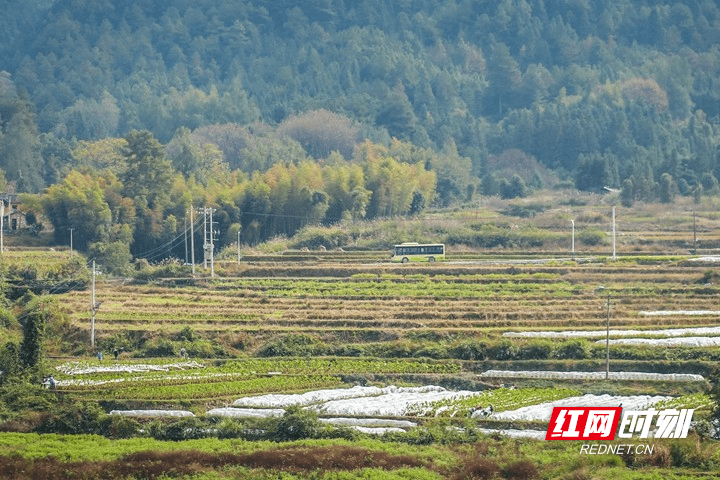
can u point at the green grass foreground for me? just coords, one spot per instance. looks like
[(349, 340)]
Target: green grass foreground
[(88, 456)]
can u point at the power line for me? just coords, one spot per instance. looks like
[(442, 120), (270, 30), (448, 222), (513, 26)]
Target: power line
[(160, 250)]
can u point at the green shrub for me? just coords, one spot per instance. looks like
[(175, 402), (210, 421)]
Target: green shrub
[(469, 350), (349, 350), (503, 351), (313, 237), (198, 348), (73, 419), (7, 319), (203, 349), (432, 351), (22, 396), (120, 340), (187, 428), (298, 423), (523, 211), (293, 345), (484, 236), (160, 347), (400, 349), (115, 257), (592, 236), (23, 272), (230, 428), (534, 351), (170, 268), (690, 453), (572, 351), (186, 334), (10, 362), (119, 426)]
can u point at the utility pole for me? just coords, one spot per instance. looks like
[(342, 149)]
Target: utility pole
[(92, 309), (71, 231), (185, 234), (205, 243), (238, 245), (212, 245), (192, 239), (607, 341), (614, 257), (573, 238), (694, 233), (2, 224), (600, 290)]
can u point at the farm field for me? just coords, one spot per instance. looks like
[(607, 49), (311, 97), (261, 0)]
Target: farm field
[(379, 303), (296, 326), (287, 338)]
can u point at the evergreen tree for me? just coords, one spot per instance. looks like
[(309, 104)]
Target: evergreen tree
[(33, 322), (20, 149), (627, 194), (147, 181), (594, 172), (513, 188), (505, 79), (185, 155), (148, 176), (667, 188), (10, 363)]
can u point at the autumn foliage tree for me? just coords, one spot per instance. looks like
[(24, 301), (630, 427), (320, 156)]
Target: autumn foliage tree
[(76, 206), (322, 132)]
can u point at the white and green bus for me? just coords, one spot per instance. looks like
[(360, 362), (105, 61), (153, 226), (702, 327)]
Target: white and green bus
[(417, 252)]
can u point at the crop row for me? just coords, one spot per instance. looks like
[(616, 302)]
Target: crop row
[(262, 366), (501, 399), (384, 288), (250, 308), (174, 391)]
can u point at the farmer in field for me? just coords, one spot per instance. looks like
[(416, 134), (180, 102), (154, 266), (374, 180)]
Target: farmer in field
[(100, 356), (116, 353), (183, 352), (49, 382)]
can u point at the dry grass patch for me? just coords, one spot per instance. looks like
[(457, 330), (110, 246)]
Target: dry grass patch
[(152, 465)]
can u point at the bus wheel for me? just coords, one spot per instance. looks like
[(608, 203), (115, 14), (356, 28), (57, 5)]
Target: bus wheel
[(405, 260), (431, 259)]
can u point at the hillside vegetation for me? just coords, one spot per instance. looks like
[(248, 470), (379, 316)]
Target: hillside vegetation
[(284, 114)]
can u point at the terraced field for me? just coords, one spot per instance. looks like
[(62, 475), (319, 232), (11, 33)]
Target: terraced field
[(390, 302)]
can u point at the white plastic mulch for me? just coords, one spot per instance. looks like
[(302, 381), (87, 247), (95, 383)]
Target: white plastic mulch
[(389, 401), (152, 413), (394, 403), (543, 411), (668, 332), (81, 368), (668, 342), (247, 412), (371, 426), (711, 258), (377, 430), (369, 422), (665, 377), (316, 396)]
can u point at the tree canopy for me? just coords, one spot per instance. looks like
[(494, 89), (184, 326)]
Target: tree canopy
[(399, 106)]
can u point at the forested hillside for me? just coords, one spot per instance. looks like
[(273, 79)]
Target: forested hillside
[(577, 92)]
